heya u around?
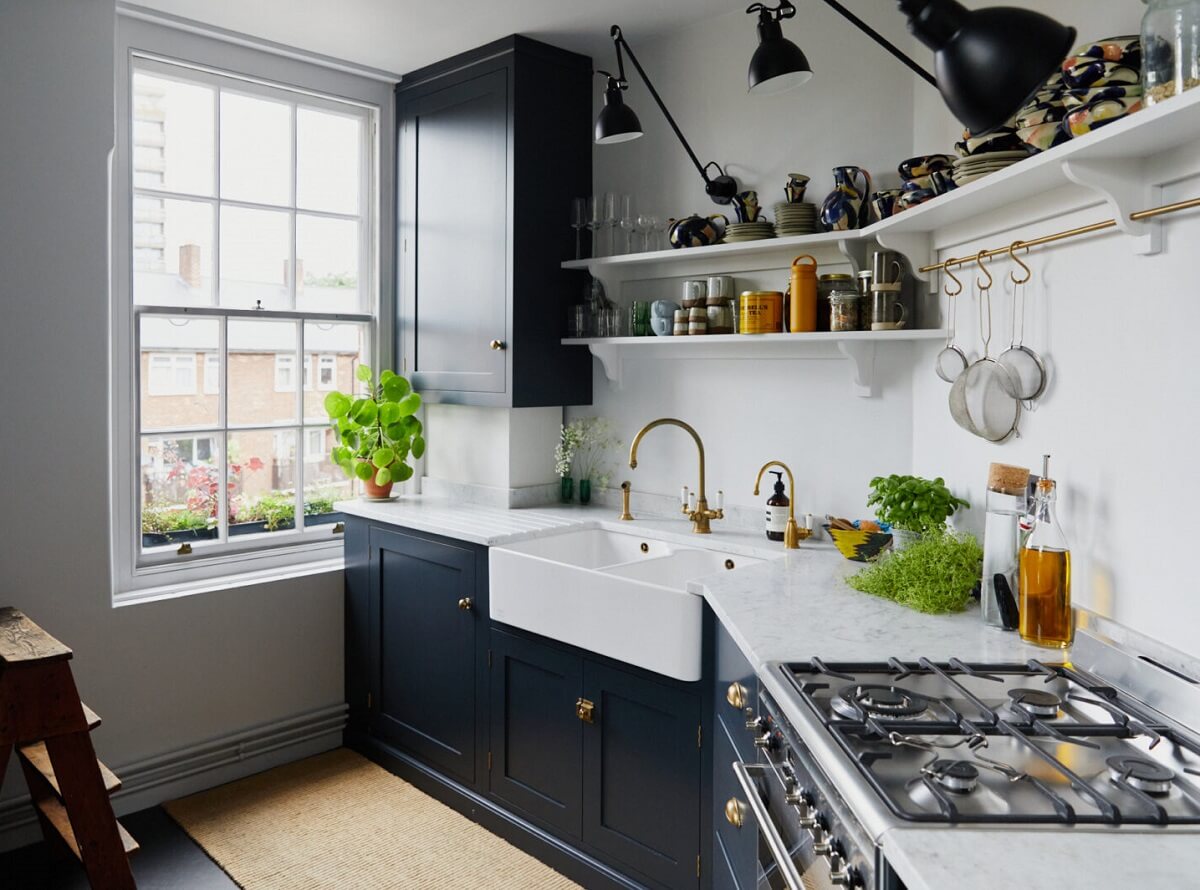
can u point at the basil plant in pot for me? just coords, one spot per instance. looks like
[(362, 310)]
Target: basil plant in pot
[(912, 505), (377, 431)]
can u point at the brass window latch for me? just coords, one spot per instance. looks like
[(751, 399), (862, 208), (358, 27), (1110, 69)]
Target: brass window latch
[(585, 710)]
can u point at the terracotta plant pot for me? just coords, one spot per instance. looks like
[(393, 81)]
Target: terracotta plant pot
[(371, 490)]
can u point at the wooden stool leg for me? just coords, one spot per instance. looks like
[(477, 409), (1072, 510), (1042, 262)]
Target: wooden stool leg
[(87, 803)]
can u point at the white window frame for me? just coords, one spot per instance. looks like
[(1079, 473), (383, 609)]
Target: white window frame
[(176, 362), (212, 381), (137, 576), (285, 363), (323, 362)]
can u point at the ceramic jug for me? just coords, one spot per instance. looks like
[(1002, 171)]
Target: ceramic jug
[(697, 231), (844, 207)]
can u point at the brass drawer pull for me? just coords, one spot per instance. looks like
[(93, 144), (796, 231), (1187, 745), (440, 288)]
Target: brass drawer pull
[(737, 695), (466, 604), (585, 710), (735, 812), (497, 344)]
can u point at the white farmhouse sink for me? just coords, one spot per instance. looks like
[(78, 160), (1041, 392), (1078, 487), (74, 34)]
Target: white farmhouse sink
[(614, 593)]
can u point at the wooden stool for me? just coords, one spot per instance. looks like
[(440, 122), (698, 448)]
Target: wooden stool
[(42, 717)]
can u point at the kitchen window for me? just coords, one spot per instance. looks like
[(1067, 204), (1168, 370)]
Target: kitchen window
[(250, 255)]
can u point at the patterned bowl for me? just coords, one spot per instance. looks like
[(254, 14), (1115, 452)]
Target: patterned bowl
[(1091, 73), (1044, 136), (857, 545), (923, 165), (1099, 112)]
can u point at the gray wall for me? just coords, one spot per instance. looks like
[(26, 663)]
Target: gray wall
[(163, 675)]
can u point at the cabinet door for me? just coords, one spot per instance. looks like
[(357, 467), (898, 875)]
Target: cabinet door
[(455, 234), (641, 767), (535, 733), (423, 649), (735, 848)]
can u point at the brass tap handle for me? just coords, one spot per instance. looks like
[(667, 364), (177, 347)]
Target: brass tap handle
[(792, 532), (625, 489)]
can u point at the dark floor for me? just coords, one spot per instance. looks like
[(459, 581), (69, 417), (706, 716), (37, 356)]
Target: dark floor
[(168, 860)]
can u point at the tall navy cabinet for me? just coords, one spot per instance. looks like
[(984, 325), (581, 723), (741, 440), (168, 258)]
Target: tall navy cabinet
[(493, 145)]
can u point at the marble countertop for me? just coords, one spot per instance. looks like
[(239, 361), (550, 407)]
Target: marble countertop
[(797, 606)]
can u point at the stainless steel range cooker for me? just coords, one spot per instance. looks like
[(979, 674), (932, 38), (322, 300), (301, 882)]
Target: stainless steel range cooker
[(1107, 741)]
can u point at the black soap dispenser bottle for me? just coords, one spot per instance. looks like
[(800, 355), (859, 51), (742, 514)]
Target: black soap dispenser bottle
[(777, 509)]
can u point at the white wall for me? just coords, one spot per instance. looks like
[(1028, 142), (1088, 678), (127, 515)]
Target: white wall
[(165, 675), (1119, 415)]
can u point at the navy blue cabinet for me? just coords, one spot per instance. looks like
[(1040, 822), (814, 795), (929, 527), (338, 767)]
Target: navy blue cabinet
[(423, 648)]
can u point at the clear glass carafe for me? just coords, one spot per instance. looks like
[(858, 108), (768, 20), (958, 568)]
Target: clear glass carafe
[(1170, 48), (1006, 504)]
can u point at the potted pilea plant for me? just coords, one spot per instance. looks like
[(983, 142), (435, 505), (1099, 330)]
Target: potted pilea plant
[(377, 431), (584, 445), (912, 505)]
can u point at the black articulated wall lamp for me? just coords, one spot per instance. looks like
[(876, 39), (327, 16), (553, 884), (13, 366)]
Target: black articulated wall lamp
[(617, 122), (989, 62)]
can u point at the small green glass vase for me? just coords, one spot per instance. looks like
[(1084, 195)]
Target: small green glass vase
[(585, 491), (567, 489)]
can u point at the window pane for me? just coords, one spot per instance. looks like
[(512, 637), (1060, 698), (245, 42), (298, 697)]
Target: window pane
[(262, 372), (324, 481), (175, 354), (262, 481), (172, 244), (254, 258), (180, 489), (328, 155), (256, 150), (327, 262), (172, 134), (341, 348)]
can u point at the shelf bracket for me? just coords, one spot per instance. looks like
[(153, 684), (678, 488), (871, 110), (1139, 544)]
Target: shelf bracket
[(916, 247), (1124, 189), (855, 252), (610, 359), (862, 356)]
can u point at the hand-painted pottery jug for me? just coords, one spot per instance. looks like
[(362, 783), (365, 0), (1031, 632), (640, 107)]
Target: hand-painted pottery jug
[(697, 231), (843, 207)]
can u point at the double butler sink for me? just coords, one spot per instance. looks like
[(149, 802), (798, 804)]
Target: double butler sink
[(614, 593)]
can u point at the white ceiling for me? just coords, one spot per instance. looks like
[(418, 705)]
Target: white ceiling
[(402, 35)]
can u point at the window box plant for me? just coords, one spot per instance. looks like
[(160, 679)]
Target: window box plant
[(377, 431), (912, 505)]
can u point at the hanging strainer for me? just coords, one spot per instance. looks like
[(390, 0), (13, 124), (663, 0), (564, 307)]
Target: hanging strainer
[(979, 399), (951, 361), (1026, 372)]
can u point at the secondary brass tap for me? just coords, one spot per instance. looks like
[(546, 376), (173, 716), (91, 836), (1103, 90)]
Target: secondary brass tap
[(625, 514), (792, 533), (701, 515)]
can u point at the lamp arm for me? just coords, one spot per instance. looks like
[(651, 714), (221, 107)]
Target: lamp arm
[(878, 38), (619, 40)]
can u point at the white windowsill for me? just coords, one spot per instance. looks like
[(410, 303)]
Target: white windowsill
[(228, 582)]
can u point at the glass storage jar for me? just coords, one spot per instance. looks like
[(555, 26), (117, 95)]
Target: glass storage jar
[(843, 310), (826, 285), (1170, 48)]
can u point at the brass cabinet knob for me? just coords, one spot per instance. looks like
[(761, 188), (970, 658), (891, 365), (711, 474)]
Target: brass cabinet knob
[(466, 604), (737, 695), (497, 344), (735, 812)]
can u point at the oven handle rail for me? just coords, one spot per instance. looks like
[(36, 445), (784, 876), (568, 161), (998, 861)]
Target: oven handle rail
[(775, 843)]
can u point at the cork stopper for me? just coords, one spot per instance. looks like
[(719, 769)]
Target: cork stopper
[(1007, 479)]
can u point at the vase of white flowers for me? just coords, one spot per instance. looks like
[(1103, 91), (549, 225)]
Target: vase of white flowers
[(584, 448)]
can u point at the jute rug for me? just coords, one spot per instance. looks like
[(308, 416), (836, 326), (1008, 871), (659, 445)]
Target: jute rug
[(339, 821)]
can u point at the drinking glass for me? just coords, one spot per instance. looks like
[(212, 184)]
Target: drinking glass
[(595, 222), (610, 222), (579, 220), (643, 228), (627, 222), (639, 318)]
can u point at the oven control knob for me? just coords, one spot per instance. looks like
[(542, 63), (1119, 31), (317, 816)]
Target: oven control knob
[(797, 796), (766, 741), (842, 875), (756, 724), (819, 832)]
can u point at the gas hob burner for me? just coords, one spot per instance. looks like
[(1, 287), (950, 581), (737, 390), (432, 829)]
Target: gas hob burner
[(1036, 702), (1140, 773), (881, 702), (958, 776)]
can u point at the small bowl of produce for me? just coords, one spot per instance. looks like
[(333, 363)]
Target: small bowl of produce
[(860, 541)]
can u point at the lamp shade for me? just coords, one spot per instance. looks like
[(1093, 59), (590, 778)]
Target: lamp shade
[(616, 122), (777, 64), (989, 62)]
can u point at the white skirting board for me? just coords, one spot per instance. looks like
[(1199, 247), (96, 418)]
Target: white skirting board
[(185, 771)]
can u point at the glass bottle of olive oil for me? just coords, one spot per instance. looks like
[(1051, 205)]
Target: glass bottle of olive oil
[(1045, 570)]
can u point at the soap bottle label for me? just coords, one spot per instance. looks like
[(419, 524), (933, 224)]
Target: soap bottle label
[(777, 519)]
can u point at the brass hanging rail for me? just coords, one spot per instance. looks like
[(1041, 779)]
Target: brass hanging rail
[(1074, 233)]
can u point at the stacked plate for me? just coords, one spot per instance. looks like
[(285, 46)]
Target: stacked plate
[(795, 219), (749, 231), (977, 166)]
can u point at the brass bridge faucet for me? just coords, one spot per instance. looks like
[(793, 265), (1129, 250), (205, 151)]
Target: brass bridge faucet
[(700, 514), (792, 533)]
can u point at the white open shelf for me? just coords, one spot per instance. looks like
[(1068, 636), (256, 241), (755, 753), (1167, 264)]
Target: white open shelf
[(1107, 161), (857, 346)]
